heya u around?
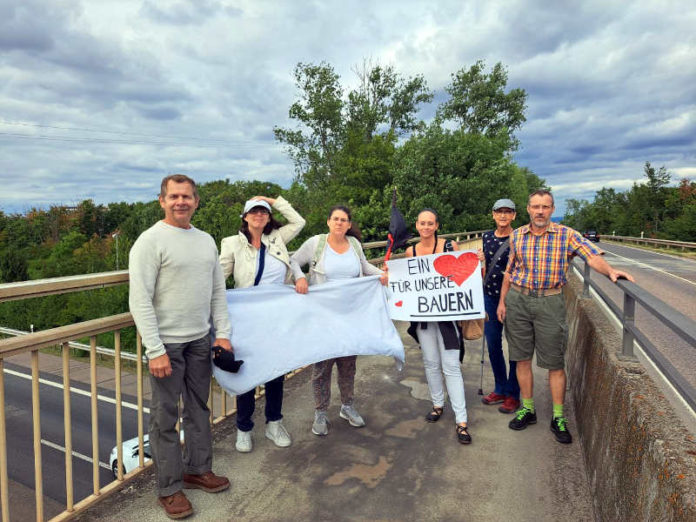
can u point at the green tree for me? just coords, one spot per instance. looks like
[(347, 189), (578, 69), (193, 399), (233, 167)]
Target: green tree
[(479, 104), (313, 147)]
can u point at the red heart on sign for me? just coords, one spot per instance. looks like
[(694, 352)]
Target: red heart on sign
[(458, 269), (399, 303)]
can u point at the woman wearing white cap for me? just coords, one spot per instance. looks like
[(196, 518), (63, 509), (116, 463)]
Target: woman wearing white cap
[(258, 255)]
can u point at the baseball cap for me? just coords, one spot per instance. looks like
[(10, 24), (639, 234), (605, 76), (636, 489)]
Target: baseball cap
[(256, 203), (504, 203)]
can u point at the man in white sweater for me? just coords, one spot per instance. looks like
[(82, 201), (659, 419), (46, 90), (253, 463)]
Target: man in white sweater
[(176, 287)]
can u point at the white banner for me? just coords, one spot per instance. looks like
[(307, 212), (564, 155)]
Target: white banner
[(276, 330), (438, 287)]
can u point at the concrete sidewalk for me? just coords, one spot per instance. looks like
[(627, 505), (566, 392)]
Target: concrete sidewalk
[(398, 467)]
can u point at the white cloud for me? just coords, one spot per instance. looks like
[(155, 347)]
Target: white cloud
[(131, 90)]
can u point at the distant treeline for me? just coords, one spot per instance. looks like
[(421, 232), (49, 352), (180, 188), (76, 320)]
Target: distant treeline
[(653, 208), (350, 148)]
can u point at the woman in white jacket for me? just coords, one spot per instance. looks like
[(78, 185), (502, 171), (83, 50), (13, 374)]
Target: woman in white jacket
[(333, 256), (258, 255)]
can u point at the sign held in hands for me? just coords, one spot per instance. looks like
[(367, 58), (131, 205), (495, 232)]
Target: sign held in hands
[(438, 287)]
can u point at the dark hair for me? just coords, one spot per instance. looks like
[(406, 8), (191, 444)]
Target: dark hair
[(353, 230), (541, 192), (270, 226), (434, 213), (177, 178)]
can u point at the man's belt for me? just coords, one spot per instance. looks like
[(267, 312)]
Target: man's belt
[(542, 292)]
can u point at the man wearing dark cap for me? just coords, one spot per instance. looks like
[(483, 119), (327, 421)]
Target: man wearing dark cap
[(496, 247), (532, 305)]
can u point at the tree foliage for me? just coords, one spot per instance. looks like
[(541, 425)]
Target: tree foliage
[(653, 208), (479, 104)]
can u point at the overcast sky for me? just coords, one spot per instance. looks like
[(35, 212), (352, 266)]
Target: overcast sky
[(101, 99)]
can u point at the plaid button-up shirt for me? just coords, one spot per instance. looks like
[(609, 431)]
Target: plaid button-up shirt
[(540, 262)]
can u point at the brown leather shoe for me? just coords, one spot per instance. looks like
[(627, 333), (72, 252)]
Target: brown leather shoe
[(176, 505), (208, 481)]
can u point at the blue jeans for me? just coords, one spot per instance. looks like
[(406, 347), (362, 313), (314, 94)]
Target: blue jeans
[(505, 384)]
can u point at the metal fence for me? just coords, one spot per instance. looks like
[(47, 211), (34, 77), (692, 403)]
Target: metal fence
[(64, 338), (670, 317), (683, 245)]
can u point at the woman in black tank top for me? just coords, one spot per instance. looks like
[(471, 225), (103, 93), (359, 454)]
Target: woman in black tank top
[(441, 342)]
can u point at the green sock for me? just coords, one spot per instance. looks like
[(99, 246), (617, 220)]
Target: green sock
[(558, 410), (529, 404)]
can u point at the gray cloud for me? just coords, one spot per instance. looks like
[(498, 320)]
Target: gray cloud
[(132, 90)]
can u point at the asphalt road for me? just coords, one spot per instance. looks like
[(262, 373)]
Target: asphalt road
[(21, 446), (669, 278)]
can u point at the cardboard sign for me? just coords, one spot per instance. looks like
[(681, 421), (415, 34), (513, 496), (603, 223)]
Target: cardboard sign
[(438, 287)]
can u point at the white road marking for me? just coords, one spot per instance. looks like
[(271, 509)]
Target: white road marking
[(74, 453), (78, 391), (651, 267), (672, 256)]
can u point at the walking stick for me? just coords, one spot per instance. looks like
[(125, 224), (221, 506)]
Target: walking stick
[(483, 346)]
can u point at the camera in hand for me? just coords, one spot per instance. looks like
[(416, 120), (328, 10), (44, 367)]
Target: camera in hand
[(225, 360)]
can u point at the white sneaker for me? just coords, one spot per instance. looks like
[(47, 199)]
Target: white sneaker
[(278, 434), (244, 444), (352, 416)]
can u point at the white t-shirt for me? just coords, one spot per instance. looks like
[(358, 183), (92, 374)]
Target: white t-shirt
[(340, 266), (273, 271)]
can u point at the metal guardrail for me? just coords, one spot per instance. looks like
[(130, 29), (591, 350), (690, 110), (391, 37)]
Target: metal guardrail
[(61, 285), (683, 245), (101, 350), (670, 317), (458, 236)]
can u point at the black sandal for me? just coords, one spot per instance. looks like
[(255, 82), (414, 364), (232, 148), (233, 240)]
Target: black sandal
[(463, 434), (435, 414)]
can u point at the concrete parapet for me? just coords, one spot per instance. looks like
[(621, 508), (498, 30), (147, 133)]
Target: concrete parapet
[(640, 458)]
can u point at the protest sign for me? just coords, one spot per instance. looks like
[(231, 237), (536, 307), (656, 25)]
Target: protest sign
[(438, 287)]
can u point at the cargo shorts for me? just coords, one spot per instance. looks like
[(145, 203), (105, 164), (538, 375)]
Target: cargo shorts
[(536, 324)]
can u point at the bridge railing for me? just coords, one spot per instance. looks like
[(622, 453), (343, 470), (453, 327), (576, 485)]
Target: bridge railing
[(667, 315), (683, 245), (65, 338)]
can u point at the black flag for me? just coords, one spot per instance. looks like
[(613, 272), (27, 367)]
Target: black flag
[(398, 232)]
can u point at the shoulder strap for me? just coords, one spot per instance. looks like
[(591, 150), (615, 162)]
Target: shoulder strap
[(321, 244), (355, 244), (414, 250), (262, 262), (498, 254), (447, 247)]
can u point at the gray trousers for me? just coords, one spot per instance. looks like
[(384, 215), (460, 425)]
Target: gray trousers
[(190, 379)]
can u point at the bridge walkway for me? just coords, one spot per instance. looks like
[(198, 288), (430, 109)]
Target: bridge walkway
[(398, 467)]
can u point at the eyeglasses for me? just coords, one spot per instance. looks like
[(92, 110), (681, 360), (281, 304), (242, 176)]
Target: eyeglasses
[(504, 211)]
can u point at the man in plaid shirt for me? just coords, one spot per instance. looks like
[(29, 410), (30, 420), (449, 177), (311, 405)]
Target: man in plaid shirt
[(534, 312)]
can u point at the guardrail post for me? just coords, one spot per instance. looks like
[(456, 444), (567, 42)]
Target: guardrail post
[(629, 313), (586, 281)]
